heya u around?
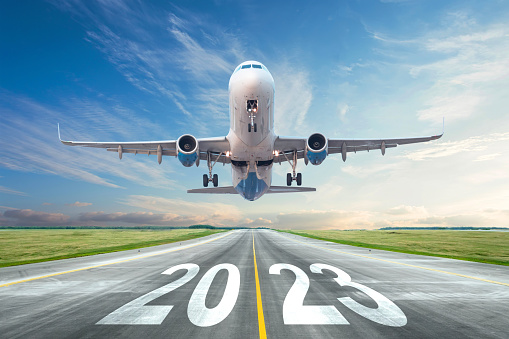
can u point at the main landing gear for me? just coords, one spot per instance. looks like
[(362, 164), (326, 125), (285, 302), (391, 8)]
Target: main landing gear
[(214, 179), (293, 176)]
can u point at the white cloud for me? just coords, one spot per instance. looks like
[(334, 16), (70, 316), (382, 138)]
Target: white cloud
[(80, 204), (368, 171), (408, 210), (28, 217), (471, 71), (201, 62), (478, 178), (442, 149), (343, 109), (294, 96), (488, 157), (213, 213), (453, 107), (329, 219)]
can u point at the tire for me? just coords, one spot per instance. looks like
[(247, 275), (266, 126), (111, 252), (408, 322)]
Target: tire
[(255, 128), (205, 180), (215, 180), (299, 179), (288, 179), (249, 128)]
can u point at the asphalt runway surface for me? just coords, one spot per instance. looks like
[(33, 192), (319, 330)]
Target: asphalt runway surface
[(252, 284)]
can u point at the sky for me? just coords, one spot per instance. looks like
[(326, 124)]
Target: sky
[(154, 70)]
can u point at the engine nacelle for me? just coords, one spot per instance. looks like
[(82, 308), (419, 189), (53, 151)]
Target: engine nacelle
[(316, 148), (187, 150)]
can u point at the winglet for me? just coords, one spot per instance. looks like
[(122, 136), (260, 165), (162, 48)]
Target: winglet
[(59, 138)]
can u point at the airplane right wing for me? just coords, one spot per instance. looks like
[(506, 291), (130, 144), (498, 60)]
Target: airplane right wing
[(289, 146)]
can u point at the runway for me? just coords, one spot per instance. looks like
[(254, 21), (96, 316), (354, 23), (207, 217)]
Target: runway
[(255, 284)]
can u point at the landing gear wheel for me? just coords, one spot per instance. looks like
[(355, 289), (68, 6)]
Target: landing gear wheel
[(249, 128), (215, 180), (205, 180), (255, 128), (288, 179), (299, 179)]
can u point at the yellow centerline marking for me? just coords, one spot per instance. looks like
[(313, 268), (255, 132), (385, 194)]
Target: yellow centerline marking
[(112, 263), (400, 263), (261, 319)]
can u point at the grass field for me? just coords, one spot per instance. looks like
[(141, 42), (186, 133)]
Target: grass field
[(481, 246), (19, 247)]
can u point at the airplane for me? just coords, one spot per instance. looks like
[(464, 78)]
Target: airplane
[(251, 146)]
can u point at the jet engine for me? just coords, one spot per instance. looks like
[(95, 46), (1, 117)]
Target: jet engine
[(316, 148), (187, 150)]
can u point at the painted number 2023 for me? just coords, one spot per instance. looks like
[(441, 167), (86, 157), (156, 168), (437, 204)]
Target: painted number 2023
[(137, 312)]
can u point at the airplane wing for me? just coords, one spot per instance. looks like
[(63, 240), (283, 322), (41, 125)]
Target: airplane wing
[(216, 146), (287, 145), (231, 190)]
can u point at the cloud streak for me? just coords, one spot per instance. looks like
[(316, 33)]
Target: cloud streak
[(173, 54), (470, 145), (11, 191), (294, 96), (38, 150)]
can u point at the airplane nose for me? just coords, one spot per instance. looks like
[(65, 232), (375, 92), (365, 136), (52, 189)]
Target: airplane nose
[(251, 80)]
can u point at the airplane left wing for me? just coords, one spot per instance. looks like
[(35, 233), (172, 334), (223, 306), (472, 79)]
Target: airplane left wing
[(216, 147)]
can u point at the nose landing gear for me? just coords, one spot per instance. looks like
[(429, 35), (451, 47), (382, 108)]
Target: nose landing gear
[(251, 127), (252, 109)]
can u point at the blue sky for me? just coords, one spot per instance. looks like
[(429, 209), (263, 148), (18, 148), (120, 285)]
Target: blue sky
[(136, 70)]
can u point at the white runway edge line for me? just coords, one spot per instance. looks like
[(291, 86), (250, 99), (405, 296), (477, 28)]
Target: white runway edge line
[(115, 262), (395, 262)]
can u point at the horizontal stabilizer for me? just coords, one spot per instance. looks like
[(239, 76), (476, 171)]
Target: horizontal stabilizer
[(290, 189), (214, 190), (231, 190)]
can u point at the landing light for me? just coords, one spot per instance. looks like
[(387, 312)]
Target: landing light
[(276, 153), (228, 154)]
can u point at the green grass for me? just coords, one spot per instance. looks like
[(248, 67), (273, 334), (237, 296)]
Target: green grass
[(18, 247), (481, 246)]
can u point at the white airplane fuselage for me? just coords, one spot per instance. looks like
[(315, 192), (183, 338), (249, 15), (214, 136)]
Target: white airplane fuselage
[(251, 136)]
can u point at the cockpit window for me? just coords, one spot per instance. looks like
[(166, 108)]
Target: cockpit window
[(245, 66)]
